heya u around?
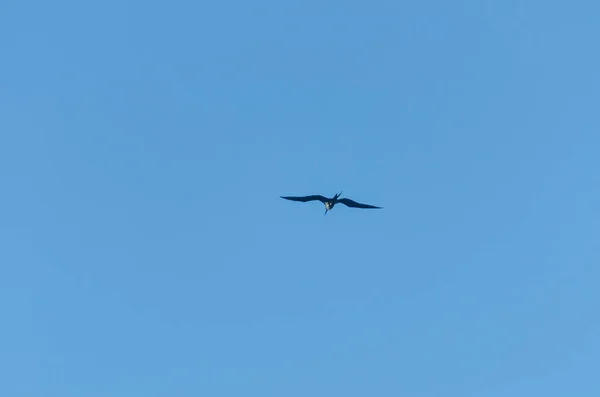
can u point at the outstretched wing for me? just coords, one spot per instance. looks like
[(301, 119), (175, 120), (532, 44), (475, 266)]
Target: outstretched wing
[(304, 199), (354, 204)]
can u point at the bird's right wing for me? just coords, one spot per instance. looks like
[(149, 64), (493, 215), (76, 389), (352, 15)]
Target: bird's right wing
[(354, 204), (304, 199)]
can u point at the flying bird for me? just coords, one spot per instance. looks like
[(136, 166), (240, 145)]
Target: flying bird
[(330, 202)]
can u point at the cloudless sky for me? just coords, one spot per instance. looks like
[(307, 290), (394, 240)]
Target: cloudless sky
[(145, 251)]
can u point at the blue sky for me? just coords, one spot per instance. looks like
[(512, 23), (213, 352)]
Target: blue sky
[(144, 249)]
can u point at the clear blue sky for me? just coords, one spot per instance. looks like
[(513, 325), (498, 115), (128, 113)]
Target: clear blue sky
[(144, 249)]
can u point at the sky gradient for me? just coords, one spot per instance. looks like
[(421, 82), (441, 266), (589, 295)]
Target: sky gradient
[(144, 249)]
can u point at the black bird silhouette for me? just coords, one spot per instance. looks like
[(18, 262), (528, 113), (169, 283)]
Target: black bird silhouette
[(330, 202)]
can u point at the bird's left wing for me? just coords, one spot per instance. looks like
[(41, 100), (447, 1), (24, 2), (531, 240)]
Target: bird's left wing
[(354, 204), (304, 199)]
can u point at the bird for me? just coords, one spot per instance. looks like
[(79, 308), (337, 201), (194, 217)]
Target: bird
[(329, 202)]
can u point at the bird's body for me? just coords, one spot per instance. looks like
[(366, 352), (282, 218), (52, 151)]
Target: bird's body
[(330, 202)]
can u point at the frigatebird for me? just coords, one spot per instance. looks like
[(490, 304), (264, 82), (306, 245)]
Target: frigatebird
[(330, 202)]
